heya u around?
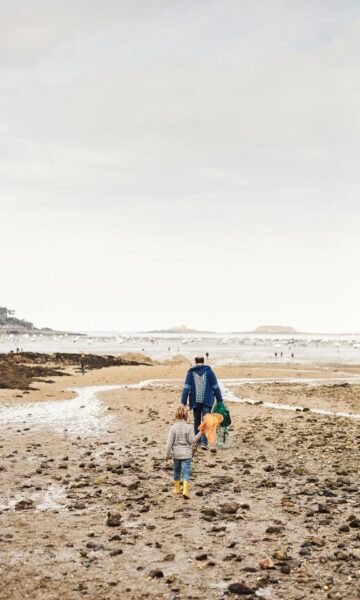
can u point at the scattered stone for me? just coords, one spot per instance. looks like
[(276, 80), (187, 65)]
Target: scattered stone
[(230, 508), (116, 552), (113, 519), (342, 555), (24, 505), (240, 589), (285, 569), (274, 529), (280, 555), (209, 512), (156, 574), (355, 523), (202, 556), (322, 508), (266, 563)]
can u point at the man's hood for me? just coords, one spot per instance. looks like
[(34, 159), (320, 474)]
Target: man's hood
[(200, 369)]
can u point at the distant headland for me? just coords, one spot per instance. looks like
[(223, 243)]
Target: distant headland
[(9, 324)]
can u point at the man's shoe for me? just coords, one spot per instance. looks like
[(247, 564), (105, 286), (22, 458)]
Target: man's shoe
[(186, 492), (177, 487), (203, 447)]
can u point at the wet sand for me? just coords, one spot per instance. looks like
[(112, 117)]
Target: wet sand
[(71, 453)]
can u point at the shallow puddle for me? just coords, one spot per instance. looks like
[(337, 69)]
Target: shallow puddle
[(82, 415), (54, 498)]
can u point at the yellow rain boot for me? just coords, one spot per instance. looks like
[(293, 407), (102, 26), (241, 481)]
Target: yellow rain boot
[(177, 487), (186, 492)]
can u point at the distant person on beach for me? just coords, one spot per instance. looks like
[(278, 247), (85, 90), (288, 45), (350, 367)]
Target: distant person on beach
[(207, 356), (200, 387), (82, 363), (180, 442)]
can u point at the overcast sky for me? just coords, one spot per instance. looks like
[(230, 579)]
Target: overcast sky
[(180, 161)]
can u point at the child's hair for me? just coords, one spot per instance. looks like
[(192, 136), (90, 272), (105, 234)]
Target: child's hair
[(181, 413)]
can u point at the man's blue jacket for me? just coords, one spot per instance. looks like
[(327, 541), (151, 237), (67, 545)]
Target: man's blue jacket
[(201, 386)]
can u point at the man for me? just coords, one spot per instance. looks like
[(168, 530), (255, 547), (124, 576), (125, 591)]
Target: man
[(200, 387)]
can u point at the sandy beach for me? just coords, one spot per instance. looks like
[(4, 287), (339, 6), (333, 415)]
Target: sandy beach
[(287, 489)]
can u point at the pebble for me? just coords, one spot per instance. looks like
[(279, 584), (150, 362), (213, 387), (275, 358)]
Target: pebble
[(274, 529), (280, 555), (230, 508), (156, 574), (24, 505), (266, 563), (285, 569), (113, 519), (116, 552), (355, 523), (240, 588)]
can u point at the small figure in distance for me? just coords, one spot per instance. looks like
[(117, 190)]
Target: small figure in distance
[(200, 387), (82, 363), (207, 356)]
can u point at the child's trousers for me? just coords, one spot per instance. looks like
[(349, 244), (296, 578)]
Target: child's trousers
[(184, 465)]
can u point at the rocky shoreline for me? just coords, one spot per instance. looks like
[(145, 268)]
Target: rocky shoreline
[(19, 370)]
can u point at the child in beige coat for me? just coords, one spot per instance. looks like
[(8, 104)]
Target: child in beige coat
[(180, 442)]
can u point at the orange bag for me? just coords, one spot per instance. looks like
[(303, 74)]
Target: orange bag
[(209, 426)]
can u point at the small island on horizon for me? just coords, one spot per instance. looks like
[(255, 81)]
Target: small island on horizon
[(275, 329)]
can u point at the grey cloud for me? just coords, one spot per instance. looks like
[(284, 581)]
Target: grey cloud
[(180, 128), (30, 29)]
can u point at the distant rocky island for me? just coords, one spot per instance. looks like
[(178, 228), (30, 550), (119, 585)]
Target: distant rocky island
[(275, 329), (177, 329)]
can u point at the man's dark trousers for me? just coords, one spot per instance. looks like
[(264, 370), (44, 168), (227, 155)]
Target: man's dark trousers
[(200, 411)]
